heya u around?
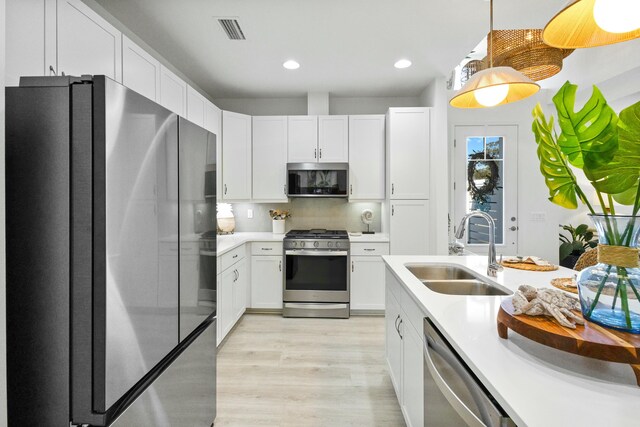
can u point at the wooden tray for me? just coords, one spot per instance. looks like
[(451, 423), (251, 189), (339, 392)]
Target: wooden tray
[(529, 267), (590, 340)]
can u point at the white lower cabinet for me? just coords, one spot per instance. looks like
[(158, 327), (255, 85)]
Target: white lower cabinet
[(239, 290), (404, 352), (393, 342), (412, 375), (266, 281), (367, 283), (225, 302), (232, 290)]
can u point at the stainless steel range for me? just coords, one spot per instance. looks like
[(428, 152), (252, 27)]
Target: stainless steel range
[(316, 282)]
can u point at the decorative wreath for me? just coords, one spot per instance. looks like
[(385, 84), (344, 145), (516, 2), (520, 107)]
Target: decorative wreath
[(481, 194)]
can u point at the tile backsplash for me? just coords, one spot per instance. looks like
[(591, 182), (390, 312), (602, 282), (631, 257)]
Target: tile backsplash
[(308, 213)]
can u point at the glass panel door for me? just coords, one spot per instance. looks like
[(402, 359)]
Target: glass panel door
[(486, 180)]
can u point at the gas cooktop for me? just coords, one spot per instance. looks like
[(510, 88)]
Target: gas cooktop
[(317, 234)]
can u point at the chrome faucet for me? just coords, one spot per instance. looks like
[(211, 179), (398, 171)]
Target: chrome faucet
[(493, 267)]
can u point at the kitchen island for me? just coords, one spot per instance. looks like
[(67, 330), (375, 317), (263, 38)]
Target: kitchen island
[(534, 384)]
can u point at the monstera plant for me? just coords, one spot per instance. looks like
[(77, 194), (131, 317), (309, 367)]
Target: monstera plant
[(605, 146)]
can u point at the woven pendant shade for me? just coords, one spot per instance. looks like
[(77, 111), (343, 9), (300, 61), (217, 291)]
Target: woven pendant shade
[(525, 51), (574, 27), (520, 87)]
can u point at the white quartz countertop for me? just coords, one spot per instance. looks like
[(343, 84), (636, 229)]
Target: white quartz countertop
[(226, 242), (535, 384), (369, 238)]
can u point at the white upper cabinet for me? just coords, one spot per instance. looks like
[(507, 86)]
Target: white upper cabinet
[(173, 92), (366, 157), (212, 118), (270, 158), (236, 156), (140, 71), (408, 146), (87, 43), (30, 39), (409, 227), (195, 106), (333, 139), (303, 139)]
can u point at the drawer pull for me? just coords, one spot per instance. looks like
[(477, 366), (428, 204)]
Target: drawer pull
[(267, 249), (369, 249), (235, 256)]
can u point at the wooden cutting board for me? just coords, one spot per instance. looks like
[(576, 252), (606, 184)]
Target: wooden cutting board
[(590, 340)]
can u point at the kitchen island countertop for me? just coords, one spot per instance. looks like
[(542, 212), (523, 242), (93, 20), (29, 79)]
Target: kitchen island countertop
[(536, 385)]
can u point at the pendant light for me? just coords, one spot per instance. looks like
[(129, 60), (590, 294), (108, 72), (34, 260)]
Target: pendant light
[(494, 86), (590, 23)]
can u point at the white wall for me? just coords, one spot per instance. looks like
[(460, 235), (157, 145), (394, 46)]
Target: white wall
[(298, 106), (264, 106), (435, 96), (534, 238), (371, 104), (3, 325)]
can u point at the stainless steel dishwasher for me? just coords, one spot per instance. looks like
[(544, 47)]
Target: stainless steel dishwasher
[(453, 396)]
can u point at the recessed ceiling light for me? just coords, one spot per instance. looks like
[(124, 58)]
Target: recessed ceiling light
[(291, 65), (403, 63)]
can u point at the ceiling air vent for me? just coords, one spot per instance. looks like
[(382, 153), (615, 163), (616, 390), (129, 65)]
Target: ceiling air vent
[(231, 27)]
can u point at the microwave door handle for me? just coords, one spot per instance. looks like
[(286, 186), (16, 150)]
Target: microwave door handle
[(458, 405)]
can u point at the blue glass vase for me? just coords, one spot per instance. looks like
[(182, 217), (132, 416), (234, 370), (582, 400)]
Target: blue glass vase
[(610, 290)]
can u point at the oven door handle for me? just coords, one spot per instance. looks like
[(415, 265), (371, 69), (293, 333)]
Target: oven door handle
[(207, 253), (316, 253)]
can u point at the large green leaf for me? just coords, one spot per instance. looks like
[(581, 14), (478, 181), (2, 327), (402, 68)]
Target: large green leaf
[(589, 136), (620, 176), (557, 176)]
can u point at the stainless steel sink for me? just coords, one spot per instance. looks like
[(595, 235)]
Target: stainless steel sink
[(453, 280), (464, 287), (439, 272)]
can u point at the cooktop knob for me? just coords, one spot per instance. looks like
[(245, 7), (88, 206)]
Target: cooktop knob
[(302, 244), (316, 244), (329, 244), (294, 244)]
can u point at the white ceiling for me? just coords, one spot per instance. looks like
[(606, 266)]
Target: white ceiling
[(345, 47)]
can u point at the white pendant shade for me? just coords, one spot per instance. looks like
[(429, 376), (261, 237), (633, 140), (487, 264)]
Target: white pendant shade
[(519, 87), (576, 25)]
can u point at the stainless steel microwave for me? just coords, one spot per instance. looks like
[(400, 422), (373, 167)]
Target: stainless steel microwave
[(317, 179)]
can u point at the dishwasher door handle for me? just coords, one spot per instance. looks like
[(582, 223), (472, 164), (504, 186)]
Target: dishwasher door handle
[(456, 403)]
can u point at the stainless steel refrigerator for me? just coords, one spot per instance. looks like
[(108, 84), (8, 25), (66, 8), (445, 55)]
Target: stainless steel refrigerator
[(96, 332)]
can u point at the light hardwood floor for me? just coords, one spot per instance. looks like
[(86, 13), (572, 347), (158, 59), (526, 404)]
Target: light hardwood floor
[(305, 372)]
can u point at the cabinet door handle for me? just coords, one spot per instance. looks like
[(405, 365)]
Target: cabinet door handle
[(350, 189), (315, 153), (352, 266), (400, 324), (396, 324), (393, 188), (235, 256), (279, 265), (393, 210), (321, 153), (225, 189)]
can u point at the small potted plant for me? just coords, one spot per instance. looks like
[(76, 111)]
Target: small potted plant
[(579, 240), (278, 220)]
